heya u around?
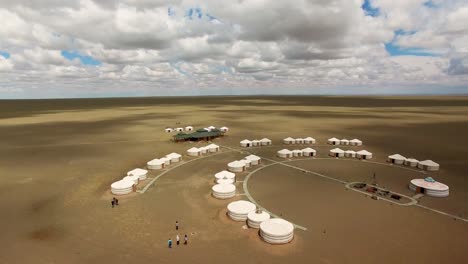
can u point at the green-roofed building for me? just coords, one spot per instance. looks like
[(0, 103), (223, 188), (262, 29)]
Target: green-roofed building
[(198, 135)]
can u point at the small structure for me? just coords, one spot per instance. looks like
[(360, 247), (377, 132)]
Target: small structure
[(337, 152), (134, 178), (155, 164), (333, 141), (223, 191), (188, 128), (289, 141), (309, 140), (246, 143), (239, 210), (428, 165), (167, 161), (411, 162), (299, 141), (246, 162), (309, 152), (363, 154), (203, 150), (224, 129), (276, 231), (199, 135), (265, 141), (284, 153), (140, 173), (225, 175), (355, 142), (236, 166), (179, 129), (225, 181), (122, 187), (396, 159), (344, 142), (175, 157), (213, 148), (256, 143), (297, 152), (255, 160), (193, 152), (430, 187), (350, 153), (168, 130), (211, 128), (255, 218)]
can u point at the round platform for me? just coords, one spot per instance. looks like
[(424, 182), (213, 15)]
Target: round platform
[(254, 219), (239, 210), (224, 191), (277, 231)]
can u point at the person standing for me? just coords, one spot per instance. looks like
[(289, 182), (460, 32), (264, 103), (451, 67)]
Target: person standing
[(177, 239), (176, 225), (113, 202), (116, 201), (185, 239), (169, 243)]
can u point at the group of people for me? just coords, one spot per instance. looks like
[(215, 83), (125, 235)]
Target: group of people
[(169, 241), (114, 202)]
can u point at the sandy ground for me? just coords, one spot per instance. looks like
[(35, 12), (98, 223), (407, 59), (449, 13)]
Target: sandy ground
[(58, 158)]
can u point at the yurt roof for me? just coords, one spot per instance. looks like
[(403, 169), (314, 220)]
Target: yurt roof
[(363, 152), (350, 151), (131, 178), (277, 227), (397, 157), (193, 150), (299, 139), (189, 127), (337, 150), (355, 140), (289, 139), (224, 127), (173, 155), (211, 127), (155, 162), (213, 146), (122, 184), (252, 157), (309, 138), (246, 161), (412, 160), (437, 186), (137, 172), (224, 174), (236, 164), (428, 163), (246, 141), (168, 128), (241, 207), (284, 151), (333, 139), (179, 128), (255, 140), (165, 159), (265, 140), (308, 150), (263, 216), (344, 139), (225, 181), (224, 188), (297, 151)]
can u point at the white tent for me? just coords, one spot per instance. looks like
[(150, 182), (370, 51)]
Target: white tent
[(193, 152), (336, 152), (207, 129), (246, 162), (246, 143), (255, 218), (285, 153), (277, 231), (309, 140), (344, 142), (141, 173), (167, 161), (155, 164), (363, 154), (256, 143), (134, 178), (428, 165), (203, 150), (355, 142), (255, 160), (333, 141), (213, 148), (224, 129), (236, 166), (188, 128), (211, 127), (239, 210), (225, 175), (289, 141), (223, 191), (350, 153), (225, 181), (297, 152), (179, 129), (396, 159), (309, 152), (411, 162), (122, 187), (430, 187), (168, 130), (299, 141), (175, 157), (265, 141)]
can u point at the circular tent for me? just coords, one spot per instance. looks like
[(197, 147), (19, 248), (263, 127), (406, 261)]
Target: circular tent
[(284, 153), (167, 161), (213, 148), (134, 178), (265, 141), (309, 140), (225, 181), (255, 218), (224, 191), (344, 142), (179, 129), (333, 141), (309, 152), (155, 164), (168, 130), (430, 187), (175, 157), (140, 173), (297, 153), (350, 153), (224, 129), (299, 141), (411, 162), (193, 152), (246, 143), (396, 159), (122, 187), (289, 141), (337, 152), (203, 150), (211, 128), (246, 162), (256, 143), (239, 210), (363, 154), (188, 128), (277, 231), (236, 166), (225, 175), (255, 160), (355, 142), (428, 165)]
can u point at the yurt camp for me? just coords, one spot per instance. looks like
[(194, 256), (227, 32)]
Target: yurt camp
[(429, 187), (203, 150), (122, 187), (179, 129), (175, 157), (411, 162), (297, 153), (224, 129), (225, 175), (256, 143), (255, 218), (276, 231), (255, 160), (289, 141), (428, 165), (333, 141), (309, 140), (223, 191), (309, 152), (247, 163), (344, 142), (155, 164), (350, 153), (355, 142), (168, 130), (193, 152), (188, 128), (363, 154), (284, 153), (265, 141), (396, 159), (239, 210), (167, 161), (299, 141), (336, 152), (246, 143), (140, 173), (213, 148), (236, 166)]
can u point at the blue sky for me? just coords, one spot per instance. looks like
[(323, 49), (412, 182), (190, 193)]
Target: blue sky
[(4, 54), (84, 59)]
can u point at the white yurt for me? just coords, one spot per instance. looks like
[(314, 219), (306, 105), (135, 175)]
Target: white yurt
[(246, 143), (203, 150), (428, 165), (430, 187), (141, 173), (276, 231), (225, 181), (355, 142), (284, 153), (167, 161), (256, 143), (223, 191), (344, 142), (411, 162), (289, 141), (265, 141), (122, 187), (246, 162), (224, 129), (333, 141), (211, 128), (175, 157), (207, 129), (134, 178), (255, 160), (193, 152), (363, 154), (155, 164), (179, 129), (239, 210), (309, 152), (188, 128), (309, 140), (213, 148), (337, 152), (168, 130), (396, 159), (350, 153), (297, 152), (236, 166), (255, 218), (225, 175), (299, 141)]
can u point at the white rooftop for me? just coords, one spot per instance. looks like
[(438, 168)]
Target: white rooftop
[(397, 157), (284, 151), (337, 150), (137, 172), (225, 174), (236, 164), (241, 207), (363, 152), (277, 227)]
